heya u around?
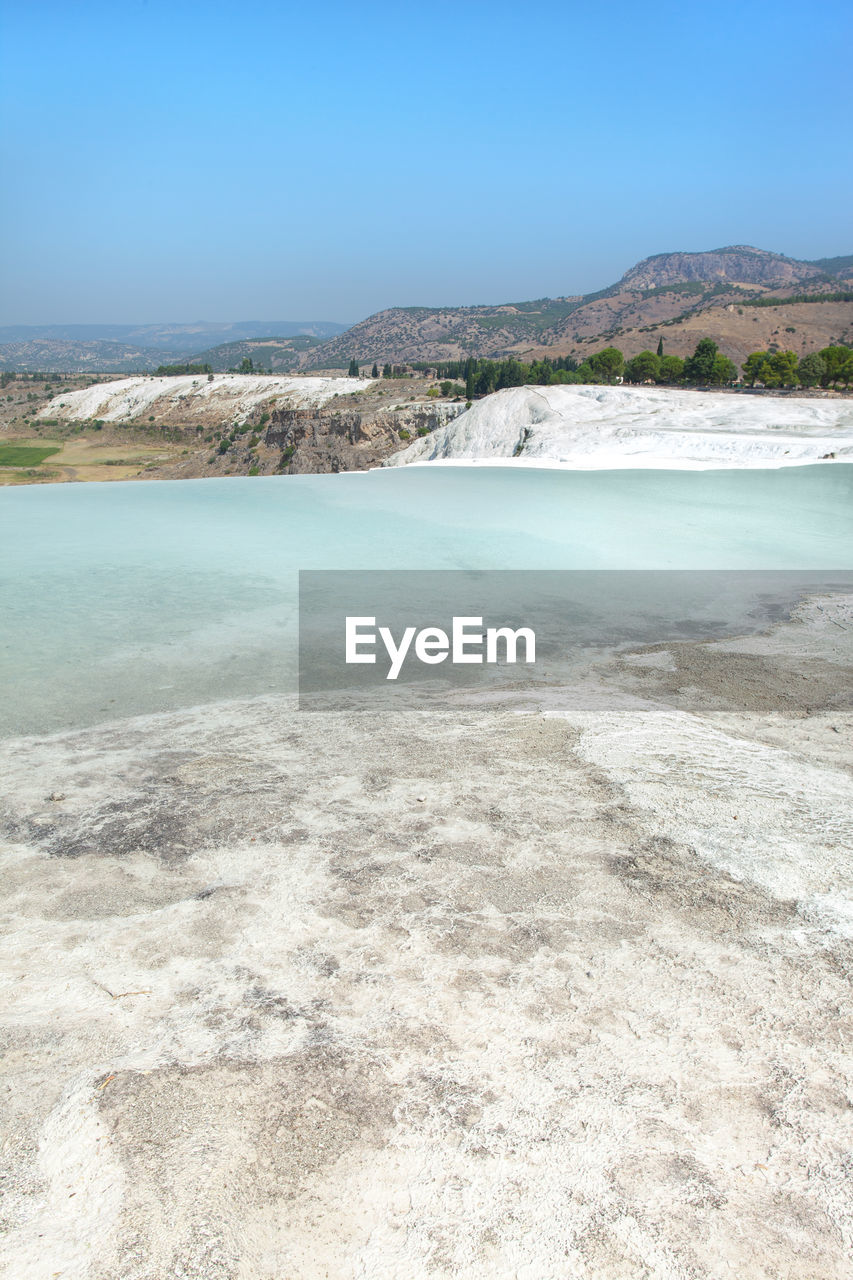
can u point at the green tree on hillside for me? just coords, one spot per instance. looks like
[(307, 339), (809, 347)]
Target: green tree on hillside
[(811, 370), (753, 365), (514, 373), (700, 366), (352, 372), (776, 369), (374, 372), (660, 347), (671, 370), (722, 371), (784, 368), (834, 358), (643, 368), (607, 365)]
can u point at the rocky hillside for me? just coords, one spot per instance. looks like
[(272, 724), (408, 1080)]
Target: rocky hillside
[(403, 334), (234, 425), (357, 428), (279, 355), (671, 296), (317, 440), (675, 296), (737, 264)]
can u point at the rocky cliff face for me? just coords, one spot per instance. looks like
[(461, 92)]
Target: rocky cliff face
[(312, 440), (738, 264)]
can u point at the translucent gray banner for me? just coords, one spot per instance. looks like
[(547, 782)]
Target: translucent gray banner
[(368, 635)]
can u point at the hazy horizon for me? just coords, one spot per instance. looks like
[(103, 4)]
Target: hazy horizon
[(326, 319), (177, 160), (170, 320)]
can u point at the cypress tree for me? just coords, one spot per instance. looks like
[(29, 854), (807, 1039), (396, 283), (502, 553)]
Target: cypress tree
[(374, 372), (660, 346)]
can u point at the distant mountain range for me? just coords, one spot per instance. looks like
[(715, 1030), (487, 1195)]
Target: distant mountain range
[(129, 348), (181, 338), (676, 296), (744, 298)]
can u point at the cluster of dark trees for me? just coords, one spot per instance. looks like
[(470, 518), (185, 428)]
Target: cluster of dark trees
[(248, 365), (481, 377), (841, 295), (9, 375), (706, 367), (474, 377), (174, 370), (829, 367)]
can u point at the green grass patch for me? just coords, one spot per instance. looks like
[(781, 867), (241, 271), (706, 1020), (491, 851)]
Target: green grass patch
[(24, 455)]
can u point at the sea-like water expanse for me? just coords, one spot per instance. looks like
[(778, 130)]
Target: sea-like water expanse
[(126, 598)]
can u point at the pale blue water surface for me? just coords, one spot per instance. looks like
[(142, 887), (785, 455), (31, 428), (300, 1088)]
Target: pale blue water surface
[(132, 597)]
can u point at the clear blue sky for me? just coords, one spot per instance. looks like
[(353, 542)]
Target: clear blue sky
[(179, 160)]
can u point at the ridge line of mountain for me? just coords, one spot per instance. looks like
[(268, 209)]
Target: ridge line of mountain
[(675, 297)]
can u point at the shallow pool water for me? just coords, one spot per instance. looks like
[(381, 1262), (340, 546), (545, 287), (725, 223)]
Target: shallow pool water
[(131, 597)]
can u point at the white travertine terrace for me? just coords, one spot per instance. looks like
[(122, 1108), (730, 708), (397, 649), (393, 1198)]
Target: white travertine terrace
[(600, 428)]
